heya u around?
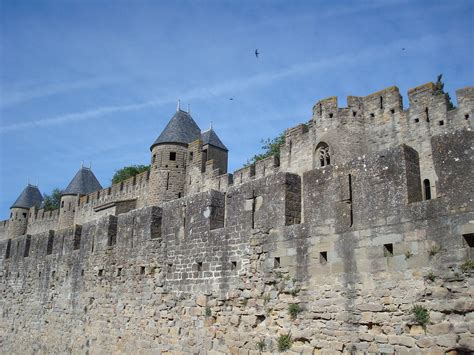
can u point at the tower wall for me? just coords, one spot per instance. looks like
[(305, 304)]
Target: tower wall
[(18, 222), (167, 173), (67, 210)]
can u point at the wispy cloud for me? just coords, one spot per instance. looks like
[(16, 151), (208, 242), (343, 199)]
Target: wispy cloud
[(236, 85), (15, 96)]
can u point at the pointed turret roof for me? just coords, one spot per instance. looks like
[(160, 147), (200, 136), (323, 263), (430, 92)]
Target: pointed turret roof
[(83, 183), (210, 137), (180, 129), (31, 196)]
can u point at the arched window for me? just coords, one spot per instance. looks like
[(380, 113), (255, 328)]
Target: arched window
[(323, 154), (427, 189)]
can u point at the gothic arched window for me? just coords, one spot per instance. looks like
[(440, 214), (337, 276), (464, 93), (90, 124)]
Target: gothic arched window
[(323, 154)]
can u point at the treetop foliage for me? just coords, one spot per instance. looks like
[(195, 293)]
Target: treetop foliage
[(270, 147), (52, 201), (440, 90), (128, 172)]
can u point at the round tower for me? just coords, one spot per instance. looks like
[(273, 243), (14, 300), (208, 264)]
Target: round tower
[(168, 158), (18, 223), (83, 183)]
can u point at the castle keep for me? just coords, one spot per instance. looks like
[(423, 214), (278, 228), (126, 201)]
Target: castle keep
[(367, 212)]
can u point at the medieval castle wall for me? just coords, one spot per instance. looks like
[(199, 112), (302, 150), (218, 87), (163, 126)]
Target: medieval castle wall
[(350, 246)]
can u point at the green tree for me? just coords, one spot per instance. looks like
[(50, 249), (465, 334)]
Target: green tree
[(52, 201), (440, 90), (128, 172), (270, 147)]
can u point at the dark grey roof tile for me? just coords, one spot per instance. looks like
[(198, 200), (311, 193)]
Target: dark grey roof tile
[(31, 196), (210, 137), (83, 183), (180, 129)]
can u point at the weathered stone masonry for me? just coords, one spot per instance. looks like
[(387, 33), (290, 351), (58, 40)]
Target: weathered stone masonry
[(354, 243)]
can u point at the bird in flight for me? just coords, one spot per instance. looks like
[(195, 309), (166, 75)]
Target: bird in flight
[(231, 98), (257, 53)]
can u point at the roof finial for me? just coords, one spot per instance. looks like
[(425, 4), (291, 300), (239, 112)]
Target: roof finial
[(189, 108), (210, 126), (90, 165), (82, 164), (179, 105)]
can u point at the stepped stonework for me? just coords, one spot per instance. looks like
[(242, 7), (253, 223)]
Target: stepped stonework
[(367, 213)]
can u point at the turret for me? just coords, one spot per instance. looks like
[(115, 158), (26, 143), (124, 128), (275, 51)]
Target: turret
[(83, 183), (214, 150), (169, 153), (30, 197)]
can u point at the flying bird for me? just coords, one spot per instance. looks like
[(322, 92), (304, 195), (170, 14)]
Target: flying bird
[(231, 98), (256, 53)]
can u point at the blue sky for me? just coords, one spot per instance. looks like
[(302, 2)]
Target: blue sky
[(97, 81)]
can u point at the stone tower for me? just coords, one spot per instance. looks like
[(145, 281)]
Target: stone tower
[(83, 183), (30, 197), (169, 154), (213, 149)]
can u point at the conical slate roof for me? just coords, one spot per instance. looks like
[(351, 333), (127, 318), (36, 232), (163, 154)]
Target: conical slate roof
[(31, 196), (180, 129), (83, 183), (210, 137)]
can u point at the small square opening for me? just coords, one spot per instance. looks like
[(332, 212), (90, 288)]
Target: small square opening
[(388, 250), (172, 155), (142, 270), (233, 265), (392, 111), (323, 257), (466, 116), (199, 266), (417, 120), (372, 115), (469, 240), (331, 115), (354, 113), (276, 262), (441, 123), (101, 272), (119, 271)]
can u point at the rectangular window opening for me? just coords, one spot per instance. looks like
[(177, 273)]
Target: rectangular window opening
[(142, 270), (441, 123), (199, 266), (49, 249), (169, 268), (9, 246), (276, 262), (233, 265), (119, 271), (172, 155), (417, 120), (27, 246), (323, 257), (101, 272), (388, 250)]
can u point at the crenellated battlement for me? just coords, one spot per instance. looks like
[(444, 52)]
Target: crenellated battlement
[(358, 217)]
